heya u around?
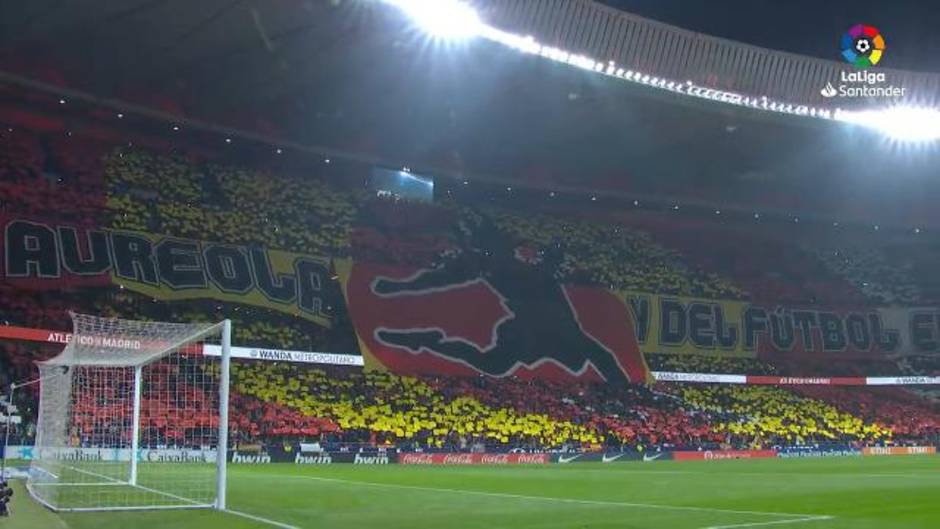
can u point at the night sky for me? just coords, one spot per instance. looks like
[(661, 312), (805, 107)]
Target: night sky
[(810, 27)]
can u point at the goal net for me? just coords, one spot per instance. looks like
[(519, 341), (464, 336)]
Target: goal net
[(132, 415)]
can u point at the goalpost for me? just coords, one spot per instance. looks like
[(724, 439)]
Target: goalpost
[(133, 416)]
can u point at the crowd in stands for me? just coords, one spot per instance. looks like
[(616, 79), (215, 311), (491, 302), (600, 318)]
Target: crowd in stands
[(340, 406), (254, 419), (769, 416), (170, 194), (906, 415), (709, 364), (401, 232), (175, 409), (96, 183), (381, 408), (825, 367), (868, 270), (623, 416), (165, 191), (448, 413), (919, 365), (37, 172), (613, 256), (769, 265), (17, 364)]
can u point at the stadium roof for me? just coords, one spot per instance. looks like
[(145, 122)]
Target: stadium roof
[(805, 27), (358, 76)]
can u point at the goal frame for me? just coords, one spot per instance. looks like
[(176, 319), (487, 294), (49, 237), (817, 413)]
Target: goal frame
[(224, 330)]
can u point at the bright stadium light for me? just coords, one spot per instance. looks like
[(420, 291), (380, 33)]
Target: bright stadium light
[(446, 19), (456, 20), (903, 123)]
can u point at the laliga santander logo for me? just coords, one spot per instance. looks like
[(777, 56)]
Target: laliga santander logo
[(862, 45)]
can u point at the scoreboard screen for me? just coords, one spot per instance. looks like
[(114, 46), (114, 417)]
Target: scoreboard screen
[(402, 184)]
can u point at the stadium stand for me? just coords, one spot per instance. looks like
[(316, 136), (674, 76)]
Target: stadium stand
[(424, 264), (765, 263), (173, 195), (612, 255), (145, 186), (907, 416), (767, 416), (709, 364), (890, 274), (869, 271), (380, 408)]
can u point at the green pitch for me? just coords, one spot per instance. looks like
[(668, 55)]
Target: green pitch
[(839, 493)]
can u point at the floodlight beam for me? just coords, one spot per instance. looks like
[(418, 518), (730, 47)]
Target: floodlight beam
[(445, 19), (902, 123)]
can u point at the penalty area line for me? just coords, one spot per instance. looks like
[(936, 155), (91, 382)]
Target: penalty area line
[(260, 519), (775, 522), (794, 517)]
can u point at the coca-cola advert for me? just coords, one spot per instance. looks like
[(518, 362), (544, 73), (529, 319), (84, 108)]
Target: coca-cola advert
[(473, 459)]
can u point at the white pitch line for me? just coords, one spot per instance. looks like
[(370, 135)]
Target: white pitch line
[(174, 496), (61, 484), (548, 498), (261, 519), (775, 522)]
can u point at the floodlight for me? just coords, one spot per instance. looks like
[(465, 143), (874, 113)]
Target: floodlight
[(446, 19), (904, 123)]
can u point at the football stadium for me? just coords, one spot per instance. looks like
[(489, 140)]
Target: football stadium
[(470, 264)]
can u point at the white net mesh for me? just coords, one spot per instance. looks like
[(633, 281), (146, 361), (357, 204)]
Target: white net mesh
[(89, 427)]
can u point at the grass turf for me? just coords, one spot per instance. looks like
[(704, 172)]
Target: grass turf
[(837, 493)]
